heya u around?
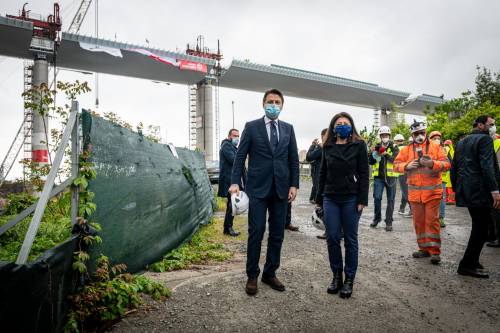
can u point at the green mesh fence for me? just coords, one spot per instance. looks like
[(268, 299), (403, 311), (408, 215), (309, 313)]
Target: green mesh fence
[(148, 201)]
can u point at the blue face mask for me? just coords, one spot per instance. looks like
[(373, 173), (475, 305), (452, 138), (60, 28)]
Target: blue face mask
[(343, 131), (235, 141), (272, 111)]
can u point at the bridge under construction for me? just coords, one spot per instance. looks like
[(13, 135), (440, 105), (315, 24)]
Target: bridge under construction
[(40, 41)]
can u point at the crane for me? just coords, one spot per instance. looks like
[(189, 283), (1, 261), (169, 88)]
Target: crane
[(23, 137)]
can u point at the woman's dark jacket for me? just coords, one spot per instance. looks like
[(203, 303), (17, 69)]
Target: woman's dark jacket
[(474, 171), (344, 171)]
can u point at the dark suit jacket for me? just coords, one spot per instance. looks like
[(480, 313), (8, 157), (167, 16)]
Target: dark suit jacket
[(264, 165), (474, 171), (227, 154)]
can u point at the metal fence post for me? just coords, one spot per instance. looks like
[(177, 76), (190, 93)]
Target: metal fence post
[(47, 188), (75, 153)]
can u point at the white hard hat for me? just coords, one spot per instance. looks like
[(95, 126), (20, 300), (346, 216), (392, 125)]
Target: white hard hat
[(317, 219), (399, 137), (239, 203), (384, 130)]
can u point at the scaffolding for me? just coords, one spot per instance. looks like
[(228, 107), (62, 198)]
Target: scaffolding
[(28, 115), (192, 89), (217, 115)]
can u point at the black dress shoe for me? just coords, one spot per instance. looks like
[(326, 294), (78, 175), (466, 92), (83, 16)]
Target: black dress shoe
[(495, 243), (374, 224), (474, 272), (336, 284), (274, 283), (346, 290), (291, 227), (231, 232)]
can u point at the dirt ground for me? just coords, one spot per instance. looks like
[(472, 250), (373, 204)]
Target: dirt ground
[(392, 293)]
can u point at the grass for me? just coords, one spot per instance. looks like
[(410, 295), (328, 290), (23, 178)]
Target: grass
[(208, 245)]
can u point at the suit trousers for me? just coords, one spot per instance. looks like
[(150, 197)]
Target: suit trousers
[(228, 219), (277, 209), (481, 218)]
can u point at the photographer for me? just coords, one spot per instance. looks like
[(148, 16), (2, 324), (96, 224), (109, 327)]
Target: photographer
[(381, 158)]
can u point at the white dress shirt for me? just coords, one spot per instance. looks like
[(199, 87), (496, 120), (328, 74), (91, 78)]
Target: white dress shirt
[(268, 127)]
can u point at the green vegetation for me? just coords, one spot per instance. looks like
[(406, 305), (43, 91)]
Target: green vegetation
[(220, 204), (454, 118), (109, 296), (54, 228), (202, 248)]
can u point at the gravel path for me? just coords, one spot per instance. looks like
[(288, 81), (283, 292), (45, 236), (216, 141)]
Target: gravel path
[(392, 293)]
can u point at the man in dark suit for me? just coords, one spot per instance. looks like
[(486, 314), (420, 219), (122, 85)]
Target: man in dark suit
[(273, 180), (227, 154), (475, 177)]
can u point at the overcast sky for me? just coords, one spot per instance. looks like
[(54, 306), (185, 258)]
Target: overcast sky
[(415, 46)]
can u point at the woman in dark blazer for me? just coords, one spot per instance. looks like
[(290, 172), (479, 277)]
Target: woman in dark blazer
[(343, 193)]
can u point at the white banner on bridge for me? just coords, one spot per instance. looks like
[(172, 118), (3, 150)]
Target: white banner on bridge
[(94, 48)]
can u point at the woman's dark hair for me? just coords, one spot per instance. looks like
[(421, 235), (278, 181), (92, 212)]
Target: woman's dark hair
[(331, 137)]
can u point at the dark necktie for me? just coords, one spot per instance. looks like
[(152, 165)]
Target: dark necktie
[(274, 135)]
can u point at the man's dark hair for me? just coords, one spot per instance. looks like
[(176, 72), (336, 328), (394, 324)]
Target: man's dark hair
[(324, 131), (275, 92), (483, 119), (231, 131)]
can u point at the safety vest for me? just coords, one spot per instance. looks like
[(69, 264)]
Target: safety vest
[(496, 145), (450, 153), (389, 167), (424, 184)]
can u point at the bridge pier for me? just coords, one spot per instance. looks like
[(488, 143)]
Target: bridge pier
[(385, 118), (40, 125), (205, 119)]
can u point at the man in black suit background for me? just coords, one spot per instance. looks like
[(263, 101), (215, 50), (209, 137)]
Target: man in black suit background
[(227, 154), (273, 180)]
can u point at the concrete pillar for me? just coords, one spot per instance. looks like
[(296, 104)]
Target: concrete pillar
[(205, 120), (40, 129), (385, 118)]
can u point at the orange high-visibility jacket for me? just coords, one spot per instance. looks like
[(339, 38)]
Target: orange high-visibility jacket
[(424, 184)]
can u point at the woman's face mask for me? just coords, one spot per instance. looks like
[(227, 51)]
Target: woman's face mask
[(385, 140), (343, 131)]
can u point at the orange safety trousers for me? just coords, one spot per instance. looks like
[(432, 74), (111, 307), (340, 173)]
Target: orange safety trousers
[(427, 227)]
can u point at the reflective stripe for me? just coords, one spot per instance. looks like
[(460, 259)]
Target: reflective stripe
[(423, 172), (430, 244), (434, 236), (422, 188)]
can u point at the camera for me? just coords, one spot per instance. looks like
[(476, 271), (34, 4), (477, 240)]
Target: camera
[(380, 149)]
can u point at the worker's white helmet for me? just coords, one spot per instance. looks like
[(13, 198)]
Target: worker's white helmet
[(384, 130), (317, 219), (399, 137), (239, 203)]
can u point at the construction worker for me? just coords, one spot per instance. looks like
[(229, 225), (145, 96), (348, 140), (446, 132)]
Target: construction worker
[(436, 136), (381, 158), (450, 152), (423, 161), (399, 141)]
